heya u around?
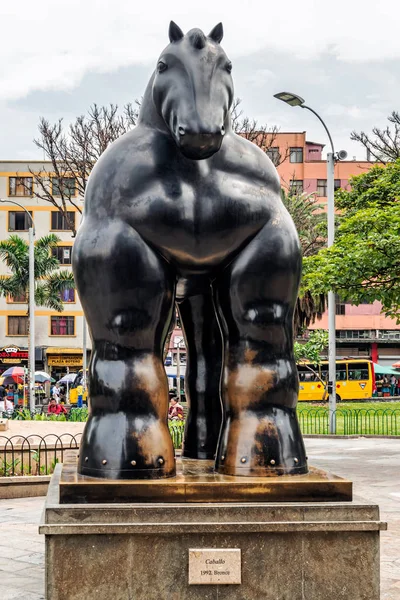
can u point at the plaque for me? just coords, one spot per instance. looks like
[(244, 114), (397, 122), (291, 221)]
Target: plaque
[(211, 566)]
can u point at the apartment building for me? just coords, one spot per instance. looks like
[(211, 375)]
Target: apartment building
[(58, 336), (361, 331)]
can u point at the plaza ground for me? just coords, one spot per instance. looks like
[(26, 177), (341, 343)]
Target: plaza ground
[(372, 464)]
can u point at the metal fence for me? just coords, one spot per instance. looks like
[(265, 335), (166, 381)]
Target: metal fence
[(34, 454), (368, 421)]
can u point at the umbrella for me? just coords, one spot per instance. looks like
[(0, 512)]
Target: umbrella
[(69, 378), (14, 375), (41, 377)]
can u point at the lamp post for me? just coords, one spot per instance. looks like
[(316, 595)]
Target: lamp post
[(294, 100), (177, 344), (31, 304)]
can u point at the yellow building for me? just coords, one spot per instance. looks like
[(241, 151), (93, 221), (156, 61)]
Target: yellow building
[(58, 336)]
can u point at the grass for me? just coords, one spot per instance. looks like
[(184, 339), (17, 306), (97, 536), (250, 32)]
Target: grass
[(352, 418)]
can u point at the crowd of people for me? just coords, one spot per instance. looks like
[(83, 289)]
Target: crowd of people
[(388, 385)]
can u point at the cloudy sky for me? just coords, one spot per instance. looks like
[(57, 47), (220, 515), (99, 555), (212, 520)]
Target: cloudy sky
[(57, 58)]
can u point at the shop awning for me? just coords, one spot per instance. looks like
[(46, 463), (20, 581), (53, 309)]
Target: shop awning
[(380, 370), (57, 350)]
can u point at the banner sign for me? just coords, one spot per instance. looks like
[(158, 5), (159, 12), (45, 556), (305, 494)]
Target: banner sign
[(12, 354)]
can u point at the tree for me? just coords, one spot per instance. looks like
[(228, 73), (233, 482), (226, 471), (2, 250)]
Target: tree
[(49, 282), (312, 349), (310, 222), (383, 144), (363, 265), (74, 150), (263, 136)]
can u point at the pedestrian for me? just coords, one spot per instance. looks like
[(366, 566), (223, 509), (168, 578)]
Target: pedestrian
[(55, 409), (175, 411), (3, 395), (56, 393), (79, 390)]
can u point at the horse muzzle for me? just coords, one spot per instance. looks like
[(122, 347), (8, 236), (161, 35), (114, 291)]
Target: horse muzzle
[(198, 146)]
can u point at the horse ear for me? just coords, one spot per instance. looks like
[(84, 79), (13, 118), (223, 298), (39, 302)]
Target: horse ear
[(217, 33), (175, 32)]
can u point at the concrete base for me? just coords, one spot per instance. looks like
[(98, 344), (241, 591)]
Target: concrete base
[(136, 551), (24, 487)]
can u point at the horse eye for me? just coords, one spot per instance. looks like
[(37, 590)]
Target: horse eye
[(228, 67), (161, 67)]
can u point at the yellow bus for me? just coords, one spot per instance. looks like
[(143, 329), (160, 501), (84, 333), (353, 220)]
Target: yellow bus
[(355, 380)]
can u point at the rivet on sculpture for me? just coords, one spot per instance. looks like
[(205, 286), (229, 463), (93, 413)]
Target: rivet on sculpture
[(182, 210)]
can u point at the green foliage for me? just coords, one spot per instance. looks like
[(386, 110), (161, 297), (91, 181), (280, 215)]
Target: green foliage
[(364, 263), (310, 223), (49, 282), (7, 468), (312, 349)]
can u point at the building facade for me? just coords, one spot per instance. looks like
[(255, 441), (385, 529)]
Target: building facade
[(361, 331), (58, 336)]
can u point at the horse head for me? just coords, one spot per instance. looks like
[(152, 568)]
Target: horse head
[(193, 90)]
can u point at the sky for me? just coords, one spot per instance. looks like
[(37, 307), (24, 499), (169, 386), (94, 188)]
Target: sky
[(57, 58)]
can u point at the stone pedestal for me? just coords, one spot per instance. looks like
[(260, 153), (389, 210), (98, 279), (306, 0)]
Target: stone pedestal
[(140, 551)]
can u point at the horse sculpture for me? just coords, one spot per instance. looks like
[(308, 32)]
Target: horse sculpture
[(182, 210)]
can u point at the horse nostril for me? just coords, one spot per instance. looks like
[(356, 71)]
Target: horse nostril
[(222, 130), (181, 131)]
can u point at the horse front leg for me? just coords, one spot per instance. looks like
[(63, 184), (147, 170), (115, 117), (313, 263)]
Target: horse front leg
[(203, 373), (127, 292), (256, 297)]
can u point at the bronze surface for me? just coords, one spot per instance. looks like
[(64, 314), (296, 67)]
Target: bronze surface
[(196, 481)]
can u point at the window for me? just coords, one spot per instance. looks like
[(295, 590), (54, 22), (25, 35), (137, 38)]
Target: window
[(355, 334), (62, 325), (20, 186), (296, 155), (63, 254), (337, 184), (17, 325), (358, 371), (68, 295), (19, 299), (296, 186), (340, 306), (63, 186), (274, 155), (59, 221), (321, 187), (306, 374), (18, 220)]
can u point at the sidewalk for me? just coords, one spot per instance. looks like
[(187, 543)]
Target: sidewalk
[(372, 464)]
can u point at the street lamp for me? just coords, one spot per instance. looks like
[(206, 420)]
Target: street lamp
[(31, 305), (294, 100), (177, 344)]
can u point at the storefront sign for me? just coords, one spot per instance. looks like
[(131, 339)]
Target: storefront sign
[(67, 360), (13, 355)]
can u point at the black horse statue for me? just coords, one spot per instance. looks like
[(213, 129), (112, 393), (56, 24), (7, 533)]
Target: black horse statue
[(182, 210)]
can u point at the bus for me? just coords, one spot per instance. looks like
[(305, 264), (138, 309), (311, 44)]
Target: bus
[(355, 380)]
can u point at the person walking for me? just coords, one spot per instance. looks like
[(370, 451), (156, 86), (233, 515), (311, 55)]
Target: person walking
[(79, 389)]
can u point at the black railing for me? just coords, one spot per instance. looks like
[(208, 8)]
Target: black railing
[(34, 454)]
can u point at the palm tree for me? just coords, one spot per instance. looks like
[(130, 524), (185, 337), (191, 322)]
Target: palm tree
[(310, 223), (49, 282)]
